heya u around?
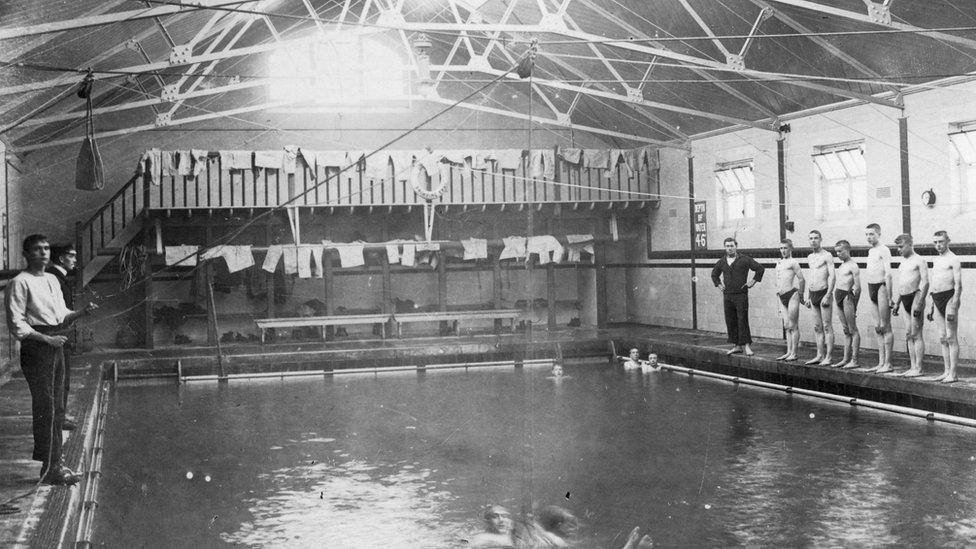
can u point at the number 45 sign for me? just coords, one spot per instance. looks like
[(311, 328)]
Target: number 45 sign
[(701, 227)]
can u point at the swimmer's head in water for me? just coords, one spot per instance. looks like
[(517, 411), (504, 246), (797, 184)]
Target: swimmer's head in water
[(652, 359), (559, 521), (634, 354), (498, 519), (557, 370)]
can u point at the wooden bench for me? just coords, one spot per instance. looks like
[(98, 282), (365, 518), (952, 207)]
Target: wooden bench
[(322, 321), (455, 317)]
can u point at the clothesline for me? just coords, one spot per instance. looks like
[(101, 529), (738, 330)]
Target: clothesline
[(156, 163), (305, 260)]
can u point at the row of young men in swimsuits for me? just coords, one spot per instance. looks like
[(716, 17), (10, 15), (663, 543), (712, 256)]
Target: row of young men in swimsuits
[(826, 284)]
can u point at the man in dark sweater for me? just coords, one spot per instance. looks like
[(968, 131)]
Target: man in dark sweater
[(734, 271), (64, 258)]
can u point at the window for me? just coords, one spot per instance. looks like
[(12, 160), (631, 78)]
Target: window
[(843, 177), (351, 73), (736, 190), (962, 180)]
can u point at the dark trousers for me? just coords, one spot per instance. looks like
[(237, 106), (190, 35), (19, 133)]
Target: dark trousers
[(66, 354), (737, 318), (43, 367)]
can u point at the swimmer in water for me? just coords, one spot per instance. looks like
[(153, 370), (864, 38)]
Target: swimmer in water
[(557, 370), (498, 530), (635, 541), (632, 361), (650, 365)]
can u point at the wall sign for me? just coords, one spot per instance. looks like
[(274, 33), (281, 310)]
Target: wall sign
[(701, 227)]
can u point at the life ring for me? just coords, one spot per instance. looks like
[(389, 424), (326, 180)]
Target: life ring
[(417, 182)]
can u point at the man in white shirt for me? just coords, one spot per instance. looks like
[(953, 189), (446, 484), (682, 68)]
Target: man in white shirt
[(36, 314)]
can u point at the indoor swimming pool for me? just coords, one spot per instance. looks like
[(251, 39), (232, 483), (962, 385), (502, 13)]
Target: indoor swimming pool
[(410, 460)]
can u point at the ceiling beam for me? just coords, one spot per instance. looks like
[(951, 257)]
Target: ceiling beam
[(634, 31), (615, 96), (7, 33), (824, 43), (557, 123), (704, 26), (33, 44), (864, 18)]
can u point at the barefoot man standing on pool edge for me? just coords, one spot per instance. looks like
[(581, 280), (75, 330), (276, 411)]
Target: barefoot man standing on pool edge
[(879, 290), (913, 285), (734, 271), (847, 293), (821, 295), (788, 273), (946, 290)]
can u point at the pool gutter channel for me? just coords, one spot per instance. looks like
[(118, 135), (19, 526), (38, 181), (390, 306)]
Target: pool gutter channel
[(93, 457), (376, 370), (904, 410)]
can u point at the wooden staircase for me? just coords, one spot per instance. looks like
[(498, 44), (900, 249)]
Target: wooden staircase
[(113, 226)]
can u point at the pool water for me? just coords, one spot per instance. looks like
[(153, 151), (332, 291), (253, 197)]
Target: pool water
[(407, 460)]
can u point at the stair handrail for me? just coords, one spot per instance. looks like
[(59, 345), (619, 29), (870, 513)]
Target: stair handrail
[(85, 253)]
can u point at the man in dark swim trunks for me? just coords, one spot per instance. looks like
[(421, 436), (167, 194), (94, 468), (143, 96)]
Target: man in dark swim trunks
[(878, 275), (821, 287), (846, 294), (789, 289), (913, 284), (946, 288)]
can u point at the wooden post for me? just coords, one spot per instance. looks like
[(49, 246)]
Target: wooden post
[(387, 290), (551, 294), (212, 335), (442, 288), (496, 289), (600, 258), (329, 281), (270, 276), (550, 286), (147, 288), (213, 326)]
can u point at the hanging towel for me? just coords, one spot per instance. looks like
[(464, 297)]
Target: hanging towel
[(393, 253), (514, 248), (378, 166), (402, 162), (578, 243), (632, 161), (238, 258), (455, 156), (573, 156), (184, 256), (235, 160), (508, 159), (290, 255), (536, 165), (482, 160), (289, 158), (475, 248), (430, 161), (271, 260), (595, 158), (150, 166), (212, 253), (350, 255), (408, 259), (269, 159), (330, 159), (546, 247), (184, 163), (317, 258), (304, 261), (167, 162), (199, 161)]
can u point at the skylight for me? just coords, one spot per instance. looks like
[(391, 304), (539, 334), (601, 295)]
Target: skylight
[(354, 72)]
